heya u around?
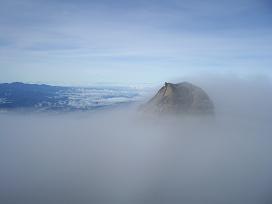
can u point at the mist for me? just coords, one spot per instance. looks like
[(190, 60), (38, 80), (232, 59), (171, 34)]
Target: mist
[(124, 156)]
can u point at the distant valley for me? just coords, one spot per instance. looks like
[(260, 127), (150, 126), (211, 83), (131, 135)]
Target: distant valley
[(41, 97)]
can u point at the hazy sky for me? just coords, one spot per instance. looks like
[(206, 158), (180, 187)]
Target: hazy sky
[(81, 42)]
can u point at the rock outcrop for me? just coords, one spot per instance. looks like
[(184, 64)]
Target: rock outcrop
[(181, 98)]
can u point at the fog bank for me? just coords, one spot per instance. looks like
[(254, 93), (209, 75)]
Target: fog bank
[(122, 156)]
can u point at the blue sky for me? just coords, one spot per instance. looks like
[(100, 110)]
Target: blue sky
[(81, 42)]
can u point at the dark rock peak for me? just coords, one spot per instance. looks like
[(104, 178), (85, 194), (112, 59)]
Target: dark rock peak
[(180, 98)]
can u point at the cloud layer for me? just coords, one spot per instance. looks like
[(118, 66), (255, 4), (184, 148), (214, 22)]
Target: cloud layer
[(123, 156), (101, 41)]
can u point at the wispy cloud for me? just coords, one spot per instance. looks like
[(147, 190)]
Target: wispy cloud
[(171, 36)]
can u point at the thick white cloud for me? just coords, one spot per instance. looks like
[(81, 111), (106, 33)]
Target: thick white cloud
[(122, 156)]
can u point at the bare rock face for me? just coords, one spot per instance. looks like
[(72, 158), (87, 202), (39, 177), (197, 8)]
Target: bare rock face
[(180, 98)]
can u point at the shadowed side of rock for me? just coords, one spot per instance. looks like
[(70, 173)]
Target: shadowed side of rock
[(181, 98)]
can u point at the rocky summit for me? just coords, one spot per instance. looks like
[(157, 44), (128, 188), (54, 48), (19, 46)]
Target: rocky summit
[(181, 98)]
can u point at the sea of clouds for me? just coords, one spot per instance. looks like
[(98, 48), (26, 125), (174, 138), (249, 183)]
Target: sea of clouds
[(124, 156)]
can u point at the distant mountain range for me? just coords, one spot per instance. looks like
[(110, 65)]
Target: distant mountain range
[(57, 98)]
